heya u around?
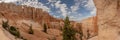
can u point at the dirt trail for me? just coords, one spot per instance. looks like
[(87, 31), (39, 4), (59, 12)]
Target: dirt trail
[(2, 35)]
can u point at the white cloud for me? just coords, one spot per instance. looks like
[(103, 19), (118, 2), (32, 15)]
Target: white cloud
[(56, 16), (57, 4), (53, 0), (75, 7), (7, 1), (72, 17), (90, 6), (93, 12), (63, 8), (36, 4), (75, 18), (52, 5)]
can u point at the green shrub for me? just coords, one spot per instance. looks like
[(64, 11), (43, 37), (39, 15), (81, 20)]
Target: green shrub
[(5, 25), (14, 31)]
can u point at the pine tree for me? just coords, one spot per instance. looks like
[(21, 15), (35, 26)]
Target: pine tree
[(31, 30), (45, 28), (68, 32)]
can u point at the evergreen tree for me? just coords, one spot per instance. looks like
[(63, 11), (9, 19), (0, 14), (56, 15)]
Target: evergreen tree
[(45, 28), (68, 32), (31, 30)]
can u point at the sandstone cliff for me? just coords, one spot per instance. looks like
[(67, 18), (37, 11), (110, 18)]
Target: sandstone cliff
[(12, 11), (108, 19), (90, 24), (23, 16)]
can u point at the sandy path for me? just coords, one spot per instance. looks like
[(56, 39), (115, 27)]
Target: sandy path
[(2, 35)]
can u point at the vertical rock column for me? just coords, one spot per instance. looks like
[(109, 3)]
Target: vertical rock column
[(108, 19), (95, 26)]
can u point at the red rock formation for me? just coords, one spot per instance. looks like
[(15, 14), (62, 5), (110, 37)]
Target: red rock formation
[(23, 12), (22, 16), (90, 24)]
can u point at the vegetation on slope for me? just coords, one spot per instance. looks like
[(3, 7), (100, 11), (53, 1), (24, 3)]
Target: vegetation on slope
[(13, 30)]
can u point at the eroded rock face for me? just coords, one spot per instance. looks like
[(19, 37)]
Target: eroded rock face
[(108, 19), (89, 25), (23, 16), (12, 11)]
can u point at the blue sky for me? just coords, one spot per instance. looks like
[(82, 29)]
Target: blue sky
[(75, 9)]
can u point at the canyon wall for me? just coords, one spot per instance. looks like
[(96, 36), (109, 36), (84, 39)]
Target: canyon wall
[(89, 25), (22, 16), (22, 12), (12, 11), (108, 16)]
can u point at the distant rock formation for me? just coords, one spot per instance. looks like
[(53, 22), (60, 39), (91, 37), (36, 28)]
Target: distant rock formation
[(12, 11), (17, 12), (108, 13), (22, 17)]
